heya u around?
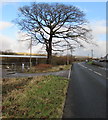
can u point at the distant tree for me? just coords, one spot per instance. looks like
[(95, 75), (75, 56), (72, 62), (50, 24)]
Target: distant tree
[(54, 25), (7, 52)]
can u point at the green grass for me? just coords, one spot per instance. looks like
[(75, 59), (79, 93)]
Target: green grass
[(38, 97), (90, 62)]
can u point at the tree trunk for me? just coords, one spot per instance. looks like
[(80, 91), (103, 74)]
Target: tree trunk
[(49, 51), (49, 56)]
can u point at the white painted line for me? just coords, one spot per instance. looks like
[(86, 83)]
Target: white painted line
[(85, 67), (82, 65), (69, 74), (90, 69), (97, 73)]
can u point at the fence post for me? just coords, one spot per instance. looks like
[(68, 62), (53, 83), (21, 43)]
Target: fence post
[(22, 66)]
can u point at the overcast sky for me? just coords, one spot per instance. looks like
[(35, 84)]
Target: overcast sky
[(95, 14)]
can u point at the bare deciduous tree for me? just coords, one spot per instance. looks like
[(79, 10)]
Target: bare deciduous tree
[(54, 25)]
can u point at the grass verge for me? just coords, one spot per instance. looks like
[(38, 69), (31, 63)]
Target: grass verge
[(47, 68), (34, 97), (90, 62)]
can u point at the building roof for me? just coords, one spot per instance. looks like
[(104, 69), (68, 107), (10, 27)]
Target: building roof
[(21, 56)]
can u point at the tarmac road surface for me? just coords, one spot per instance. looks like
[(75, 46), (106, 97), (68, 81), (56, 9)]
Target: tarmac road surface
[(63, 73), (86, 95)]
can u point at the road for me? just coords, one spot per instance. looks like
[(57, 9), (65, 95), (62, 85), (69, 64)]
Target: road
[(86, 95)]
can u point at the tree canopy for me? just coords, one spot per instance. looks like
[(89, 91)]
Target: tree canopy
[(54, 25)]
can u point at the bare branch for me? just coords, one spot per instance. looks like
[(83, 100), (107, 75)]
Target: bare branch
[(45, 22)]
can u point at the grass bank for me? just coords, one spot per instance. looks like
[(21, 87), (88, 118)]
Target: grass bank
[(34, 97), (47, 68)]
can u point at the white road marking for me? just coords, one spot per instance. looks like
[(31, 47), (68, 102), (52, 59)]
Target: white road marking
[(84, 67), (90, 69), (97, 73)]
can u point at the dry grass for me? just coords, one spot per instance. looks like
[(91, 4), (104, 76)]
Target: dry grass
[(47, 68), (34, 97), (43, 66)]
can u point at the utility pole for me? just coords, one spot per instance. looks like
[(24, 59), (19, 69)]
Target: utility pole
[(71, 55), (88, 57), (67, 55), (92, 53), (30, 52)]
